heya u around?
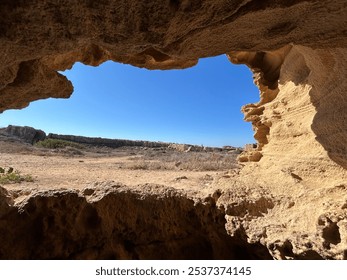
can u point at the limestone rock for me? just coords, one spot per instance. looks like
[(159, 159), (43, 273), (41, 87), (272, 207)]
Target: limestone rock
[(6, 201), (179, 147), (25, 133), (38, 38), (116, 222), (249, 156)]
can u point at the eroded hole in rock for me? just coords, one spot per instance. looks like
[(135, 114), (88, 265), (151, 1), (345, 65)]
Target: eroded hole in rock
[(330, 231), (199, 105), (129, 225), (331, 234)]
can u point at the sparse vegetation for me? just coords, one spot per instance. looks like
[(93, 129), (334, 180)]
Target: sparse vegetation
[(192, 161), (141, 164), (57, 144), (11, 176)]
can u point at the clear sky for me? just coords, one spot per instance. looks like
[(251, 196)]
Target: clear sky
[(199, 105)]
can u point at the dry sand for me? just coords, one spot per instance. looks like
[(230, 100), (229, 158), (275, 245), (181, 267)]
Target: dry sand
[(53, 169)]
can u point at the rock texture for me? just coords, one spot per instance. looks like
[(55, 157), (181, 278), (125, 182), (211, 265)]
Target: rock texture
[(294, 83), (196, 148), (300, 118), (37, 38), (25, 133), (116, 222), (297, 51)]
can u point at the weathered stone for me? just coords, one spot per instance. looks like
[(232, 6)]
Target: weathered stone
[(26, 133), (120, 223)]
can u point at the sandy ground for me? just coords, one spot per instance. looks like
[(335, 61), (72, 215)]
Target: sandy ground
[(55, 170)]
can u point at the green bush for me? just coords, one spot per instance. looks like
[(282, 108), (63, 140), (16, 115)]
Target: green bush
[(57, 144), (11, 176)]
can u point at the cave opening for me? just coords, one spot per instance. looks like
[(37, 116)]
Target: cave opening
[(198, 105)]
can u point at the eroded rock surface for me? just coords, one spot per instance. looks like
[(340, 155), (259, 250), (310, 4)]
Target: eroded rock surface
[(297, 51), (37, 38), (116, 222), (25, 133)]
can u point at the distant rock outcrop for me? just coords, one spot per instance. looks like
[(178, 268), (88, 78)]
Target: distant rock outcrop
[(25, 133), (195, 148), (31, 135)]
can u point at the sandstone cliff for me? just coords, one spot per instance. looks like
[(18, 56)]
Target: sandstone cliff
[(297, 51)]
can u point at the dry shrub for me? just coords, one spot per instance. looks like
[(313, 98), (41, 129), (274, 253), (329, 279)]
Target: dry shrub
[(141, 164), (194, 161), (57, 144)]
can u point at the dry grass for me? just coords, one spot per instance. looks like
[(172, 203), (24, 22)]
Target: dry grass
[(141, 164), (193, 161)]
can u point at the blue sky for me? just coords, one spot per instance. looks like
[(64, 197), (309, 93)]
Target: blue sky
[(199, 105)]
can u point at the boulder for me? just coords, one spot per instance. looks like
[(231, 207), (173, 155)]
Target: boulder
[(26, 133)]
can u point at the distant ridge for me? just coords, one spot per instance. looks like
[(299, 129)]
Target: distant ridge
[(106, 142), (117, 143), (31, 135)]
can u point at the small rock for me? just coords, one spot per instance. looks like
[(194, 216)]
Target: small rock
[(208, 177), (181, 178)]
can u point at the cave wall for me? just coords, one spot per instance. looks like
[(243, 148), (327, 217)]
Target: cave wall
[(300, 120), (39, 37)]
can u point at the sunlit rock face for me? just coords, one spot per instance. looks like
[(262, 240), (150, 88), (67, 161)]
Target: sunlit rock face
[(300, 120), (296, 50)]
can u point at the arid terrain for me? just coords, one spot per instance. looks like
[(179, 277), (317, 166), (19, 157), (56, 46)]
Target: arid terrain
[(90, 171), (286, 199), (76, 166)]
